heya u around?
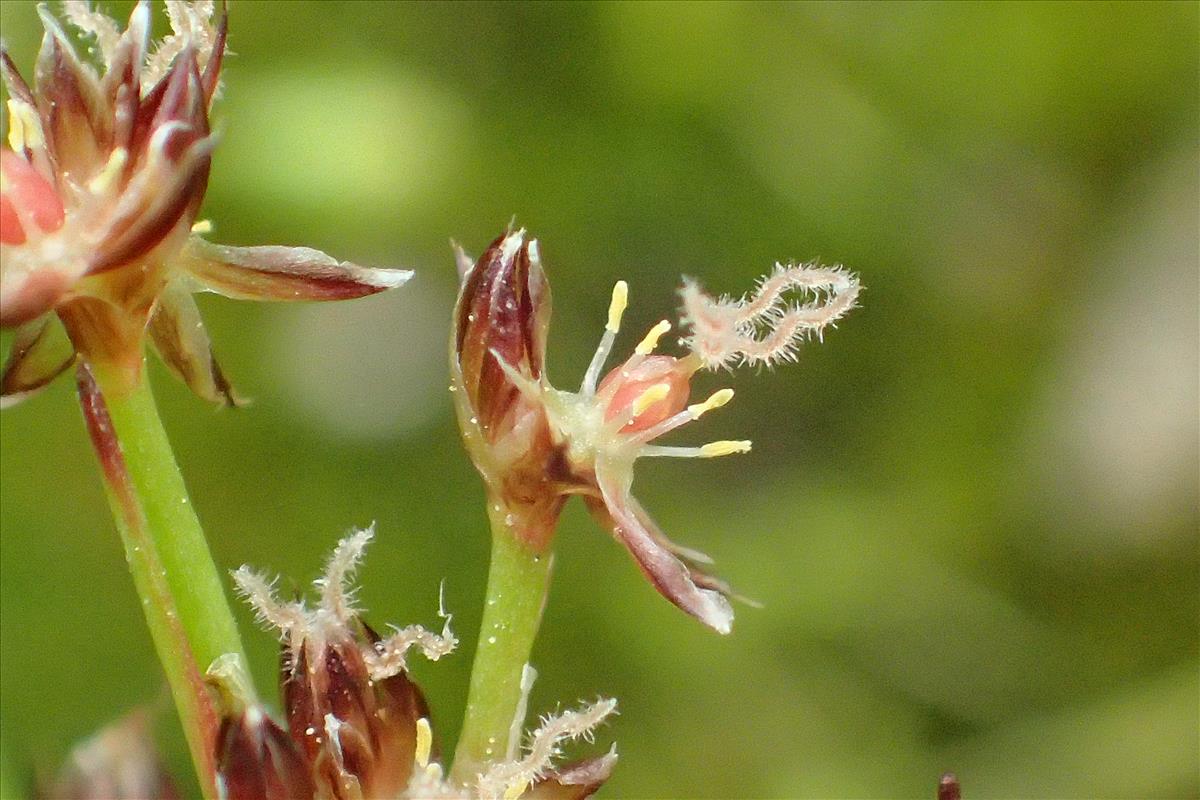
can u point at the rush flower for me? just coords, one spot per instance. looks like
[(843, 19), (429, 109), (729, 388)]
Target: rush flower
[(119, 762), (101, 178), (357, 726), (536, 445)]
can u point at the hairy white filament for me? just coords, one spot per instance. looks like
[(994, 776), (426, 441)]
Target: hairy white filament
[(764, 327)]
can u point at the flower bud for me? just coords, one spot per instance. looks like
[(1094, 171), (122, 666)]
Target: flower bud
[(497, 365), (503, 311), (358, 734), (350, 707), (257, 761)]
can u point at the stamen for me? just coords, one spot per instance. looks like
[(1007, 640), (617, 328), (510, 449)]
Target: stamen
[(649, 397), (616, 309), (716, 400), (724, 448), (24, 129), (710, 450), (655, 451), (202, 226), (666, 426), (424, 742), (647, 345), (105, 179)]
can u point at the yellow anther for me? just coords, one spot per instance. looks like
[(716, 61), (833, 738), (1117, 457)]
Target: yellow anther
[(649, 397), (516, 790), (724, 448), (716, 400), (424, 742), (616, 308), (105, 179), (24, 129), (202, 226), (647, 345)]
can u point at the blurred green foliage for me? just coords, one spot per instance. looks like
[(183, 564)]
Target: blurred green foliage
[(971, 513)]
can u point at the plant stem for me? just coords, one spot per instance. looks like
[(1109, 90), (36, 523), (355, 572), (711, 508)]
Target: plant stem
[(518, 579), (182, 596)]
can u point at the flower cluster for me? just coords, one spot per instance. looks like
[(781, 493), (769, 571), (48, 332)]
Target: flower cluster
[(101, 179), (536, 445), (357, 725)]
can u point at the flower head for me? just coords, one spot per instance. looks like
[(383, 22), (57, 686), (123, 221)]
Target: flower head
[(101, 178), (357, 725), (553, 443)]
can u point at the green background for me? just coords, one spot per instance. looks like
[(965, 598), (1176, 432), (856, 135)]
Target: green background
[(971, 513)]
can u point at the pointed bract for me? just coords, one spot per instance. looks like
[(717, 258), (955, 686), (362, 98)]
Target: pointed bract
[(497, 360), (282, 273), (40, 353), (181, 341)]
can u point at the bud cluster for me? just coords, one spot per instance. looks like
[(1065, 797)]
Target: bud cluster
[(358, 727)]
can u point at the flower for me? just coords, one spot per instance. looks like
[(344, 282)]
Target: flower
[(535, 445), (119, 762), (357, 726), (102, 177)]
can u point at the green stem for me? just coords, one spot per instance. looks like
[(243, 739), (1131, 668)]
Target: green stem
[(516, 592), (185, 605)]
